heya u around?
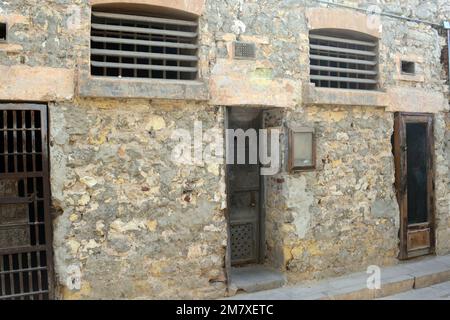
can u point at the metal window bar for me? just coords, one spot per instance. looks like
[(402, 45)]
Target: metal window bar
[(337, 61), (25, 231), (124, 45)]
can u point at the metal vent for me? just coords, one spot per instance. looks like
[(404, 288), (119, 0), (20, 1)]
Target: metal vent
[(244, 50), (242, 242), (134, 46), (343, 60)]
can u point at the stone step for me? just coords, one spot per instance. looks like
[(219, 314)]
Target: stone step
[(396, 279), (255, 278)]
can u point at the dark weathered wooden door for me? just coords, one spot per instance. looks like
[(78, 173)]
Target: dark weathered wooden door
[(244, 189), (414, 164), (25, 229)]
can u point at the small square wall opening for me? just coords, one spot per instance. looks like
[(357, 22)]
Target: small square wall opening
[(244, 50), (408, 67), (2, 31)]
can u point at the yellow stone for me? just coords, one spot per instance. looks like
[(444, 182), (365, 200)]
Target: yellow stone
[(74, 246), (73, 217), (287, 254), (155, 123), (83, 293), (297, 252), (84, 200), (151, 225)]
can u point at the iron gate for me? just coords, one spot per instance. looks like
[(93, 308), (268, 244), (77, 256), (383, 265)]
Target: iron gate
[(25, 232)]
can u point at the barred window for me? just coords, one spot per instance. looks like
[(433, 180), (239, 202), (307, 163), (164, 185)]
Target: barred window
[(143, 45), (343, 59)]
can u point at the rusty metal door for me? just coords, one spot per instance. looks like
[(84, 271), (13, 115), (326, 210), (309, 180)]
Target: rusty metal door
[(414, 166), (26, 270), (245, 194)]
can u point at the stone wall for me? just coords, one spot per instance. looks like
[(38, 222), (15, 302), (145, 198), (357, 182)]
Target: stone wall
[(343, 215), (129, 220)]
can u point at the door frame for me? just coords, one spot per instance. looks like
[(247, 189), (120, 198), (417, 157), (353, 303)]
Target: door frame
[(401, 183), (260, 245)]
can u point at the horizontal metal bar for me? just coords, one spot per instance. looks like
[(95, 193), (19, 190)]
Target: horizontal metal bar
[(144, 30), (344, 50), (334, 69), (20, 154), (15, 225), (18, 295), (355, 61), (250, 189), (343, 79), (20, 129), (16, 250), (16, 200), (21, 175), (145, 42), (23, 270), (144, 19), (162, 56), (351, 41), (22, 107), (142, 66)]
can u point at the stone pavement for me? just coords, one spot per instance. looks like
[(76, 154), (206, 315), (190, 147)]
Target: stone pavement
[(414, 275), (439, 291)]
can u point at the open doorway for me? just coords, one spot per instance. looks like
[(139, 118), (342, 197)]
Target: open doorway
[(245, 186)]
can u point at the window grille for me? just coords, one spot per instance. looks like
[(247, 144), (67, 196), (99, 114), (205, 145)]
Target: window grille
[(138, 46), (340, 59)]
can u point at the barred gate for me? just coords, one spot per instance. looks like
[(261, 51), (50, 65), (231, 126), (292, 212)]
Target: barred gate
[(26, 270)]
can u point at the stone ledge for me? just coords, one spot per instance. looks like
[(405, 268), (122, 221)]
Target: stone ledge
[(394, 99), (343, 97), (24, 83), (106, 87)]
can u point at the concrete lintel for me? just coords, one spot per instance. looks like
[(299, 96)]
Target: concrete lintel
[(343, 97), (333, 18), (24, 83), (394, 99), (106, 87), (195, 7), (251, 83)]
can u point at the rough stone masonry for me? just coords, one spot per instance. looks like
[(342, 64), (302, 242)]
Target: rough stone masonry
[(128, 222)]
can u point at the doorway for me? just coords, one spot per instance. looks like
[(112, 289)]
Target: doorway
[(414, 172), (26, 262), (245, 189)]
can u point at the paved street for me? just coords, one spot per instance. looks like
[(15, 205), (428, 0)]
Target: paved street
[(437, 292)]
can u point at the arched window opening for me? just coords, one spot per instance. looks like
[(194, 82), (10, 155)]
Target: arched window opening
[(343, 59), (143, 42)]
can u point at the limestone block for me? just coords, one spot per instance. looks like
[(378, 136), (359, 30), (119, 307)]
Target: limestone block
[(239, 82), (24, 83)]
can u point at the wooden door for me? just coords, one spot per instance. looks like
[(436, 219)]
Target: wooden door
[(414, 164)]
